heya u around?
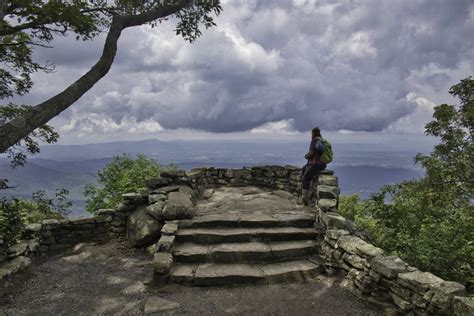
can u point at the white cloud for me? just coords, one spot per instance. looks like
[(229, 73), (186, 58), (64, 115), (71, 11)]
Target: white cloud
[(274, 67), (283, 127)]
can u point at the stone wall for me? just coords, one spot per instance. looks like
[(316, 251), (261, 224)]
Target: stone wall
[(51, 236), (387, 280)]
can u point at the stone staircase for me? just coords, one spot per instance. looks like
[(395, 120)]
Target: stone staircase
[(231, 249)]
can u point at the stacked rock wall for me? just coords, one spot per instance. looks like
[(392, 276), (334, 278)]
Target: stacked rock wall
[(387, 280)]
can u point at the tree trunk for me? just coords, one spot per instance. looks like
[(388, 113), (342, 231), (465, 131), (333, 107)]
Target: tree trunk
[(15, 130), (3, 8)]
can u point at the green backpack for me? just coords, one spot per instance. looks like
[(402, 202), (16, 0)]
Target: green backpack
[(326, 156)]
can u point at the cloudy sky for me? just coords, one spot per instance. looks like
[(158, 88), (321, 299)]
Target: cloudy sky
[(272, 69)]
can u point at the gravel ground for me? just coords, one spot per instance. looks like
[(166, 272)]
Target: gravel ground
[(111, 279)]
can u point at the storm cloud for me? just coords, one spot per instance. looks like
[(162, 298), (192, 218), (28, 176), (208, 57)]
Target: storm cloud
[(353, 65)]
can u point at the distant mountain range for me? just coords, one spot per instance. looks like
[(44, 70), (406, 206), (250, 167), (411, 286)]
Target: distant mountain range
[(361, 168)]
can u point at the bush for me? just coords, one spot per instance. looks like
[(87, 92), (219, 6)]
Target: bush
[(123, 174), (17, 213)]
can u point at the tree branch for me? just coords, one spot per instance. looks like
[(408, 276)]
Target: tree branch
[(20, 127)]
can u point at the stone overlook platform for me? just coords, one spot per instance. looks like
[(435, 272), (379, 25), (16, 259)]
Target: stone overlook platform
[(246, 235), (217, 226)]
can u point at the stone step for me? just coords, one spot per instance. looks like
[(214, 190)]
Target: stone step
[(251, 220), (243, 252), (234, 235), (211, 274)]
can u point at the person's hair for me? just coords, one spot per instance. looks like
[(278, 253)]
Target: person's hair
[(316, 131)]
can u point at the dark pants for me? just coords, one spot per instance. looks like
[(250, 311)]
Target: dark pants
[(308, 172)]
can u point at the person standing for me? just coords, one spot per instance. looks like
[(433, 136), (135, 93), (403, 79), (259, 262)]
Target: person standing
[(314, 164)]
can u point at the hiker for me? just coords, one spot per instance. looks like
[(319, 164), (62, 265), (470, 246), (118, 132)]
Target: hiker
[(314, 164)]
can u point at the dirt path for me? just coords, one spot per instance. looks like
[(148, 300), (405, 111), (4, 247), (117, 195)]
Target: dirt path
[(111, 279)]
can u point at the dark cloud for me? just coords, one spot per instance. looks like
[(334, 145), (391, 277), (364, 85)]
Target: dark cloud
[(338, 64)]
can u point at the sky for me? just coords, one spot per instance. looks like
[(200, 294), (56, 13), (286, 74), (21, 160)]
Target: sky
[(358, 69)]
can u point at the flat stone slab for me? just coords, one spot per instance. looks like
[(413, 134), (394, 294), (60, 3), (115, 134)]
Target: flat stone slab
[(212, 274), (223, 235), (249, 252), (191, 252), (243, 252), (226, 274), (16, 265), (250, 200), (183, 273), (249, 220), (293, 249), (290, 271)]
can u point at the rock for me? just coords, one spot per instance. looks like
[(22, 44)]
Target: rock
[(336, 233), (207, 193), (165, 243), (389, 266), (186, 190), (441, 294), (328, 180), (229, 173), (154, 304), (32, 245), (142, 229), (333, 220), (133, 198), (327, 172), (105, 212), (178, 206), (50, 223), (17, 250), (169, 229), (122, 207), (418, 281), (463, 306), (153, 198), (173, 174), (355, 261), (400, 302), (327, 205), (83, 221), (168, 189), (152, 249), (355, 245), (16, 265), (156, 210), (328, 192), (162, 262), (157, 183), (34, 228)]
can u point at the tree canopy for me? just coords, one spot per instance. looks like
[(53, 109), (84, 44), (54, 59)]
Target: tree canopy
[(26, 24), (430, 222)]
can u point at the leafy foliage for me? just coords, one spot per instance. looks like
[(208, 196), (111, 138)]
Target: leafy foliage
[(26, 24), (430, 222), (29, 145), (12, 224), (124, 174), (16, 214)]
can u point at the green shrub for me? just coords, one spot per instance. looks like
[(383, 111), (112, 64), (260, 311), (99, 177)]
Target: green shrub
[(123, 174), (17, 213), (430, 222)]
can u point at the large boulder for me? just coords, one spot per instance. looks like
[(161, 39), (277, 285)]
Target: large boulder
[(178, 206), (142, 229)]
